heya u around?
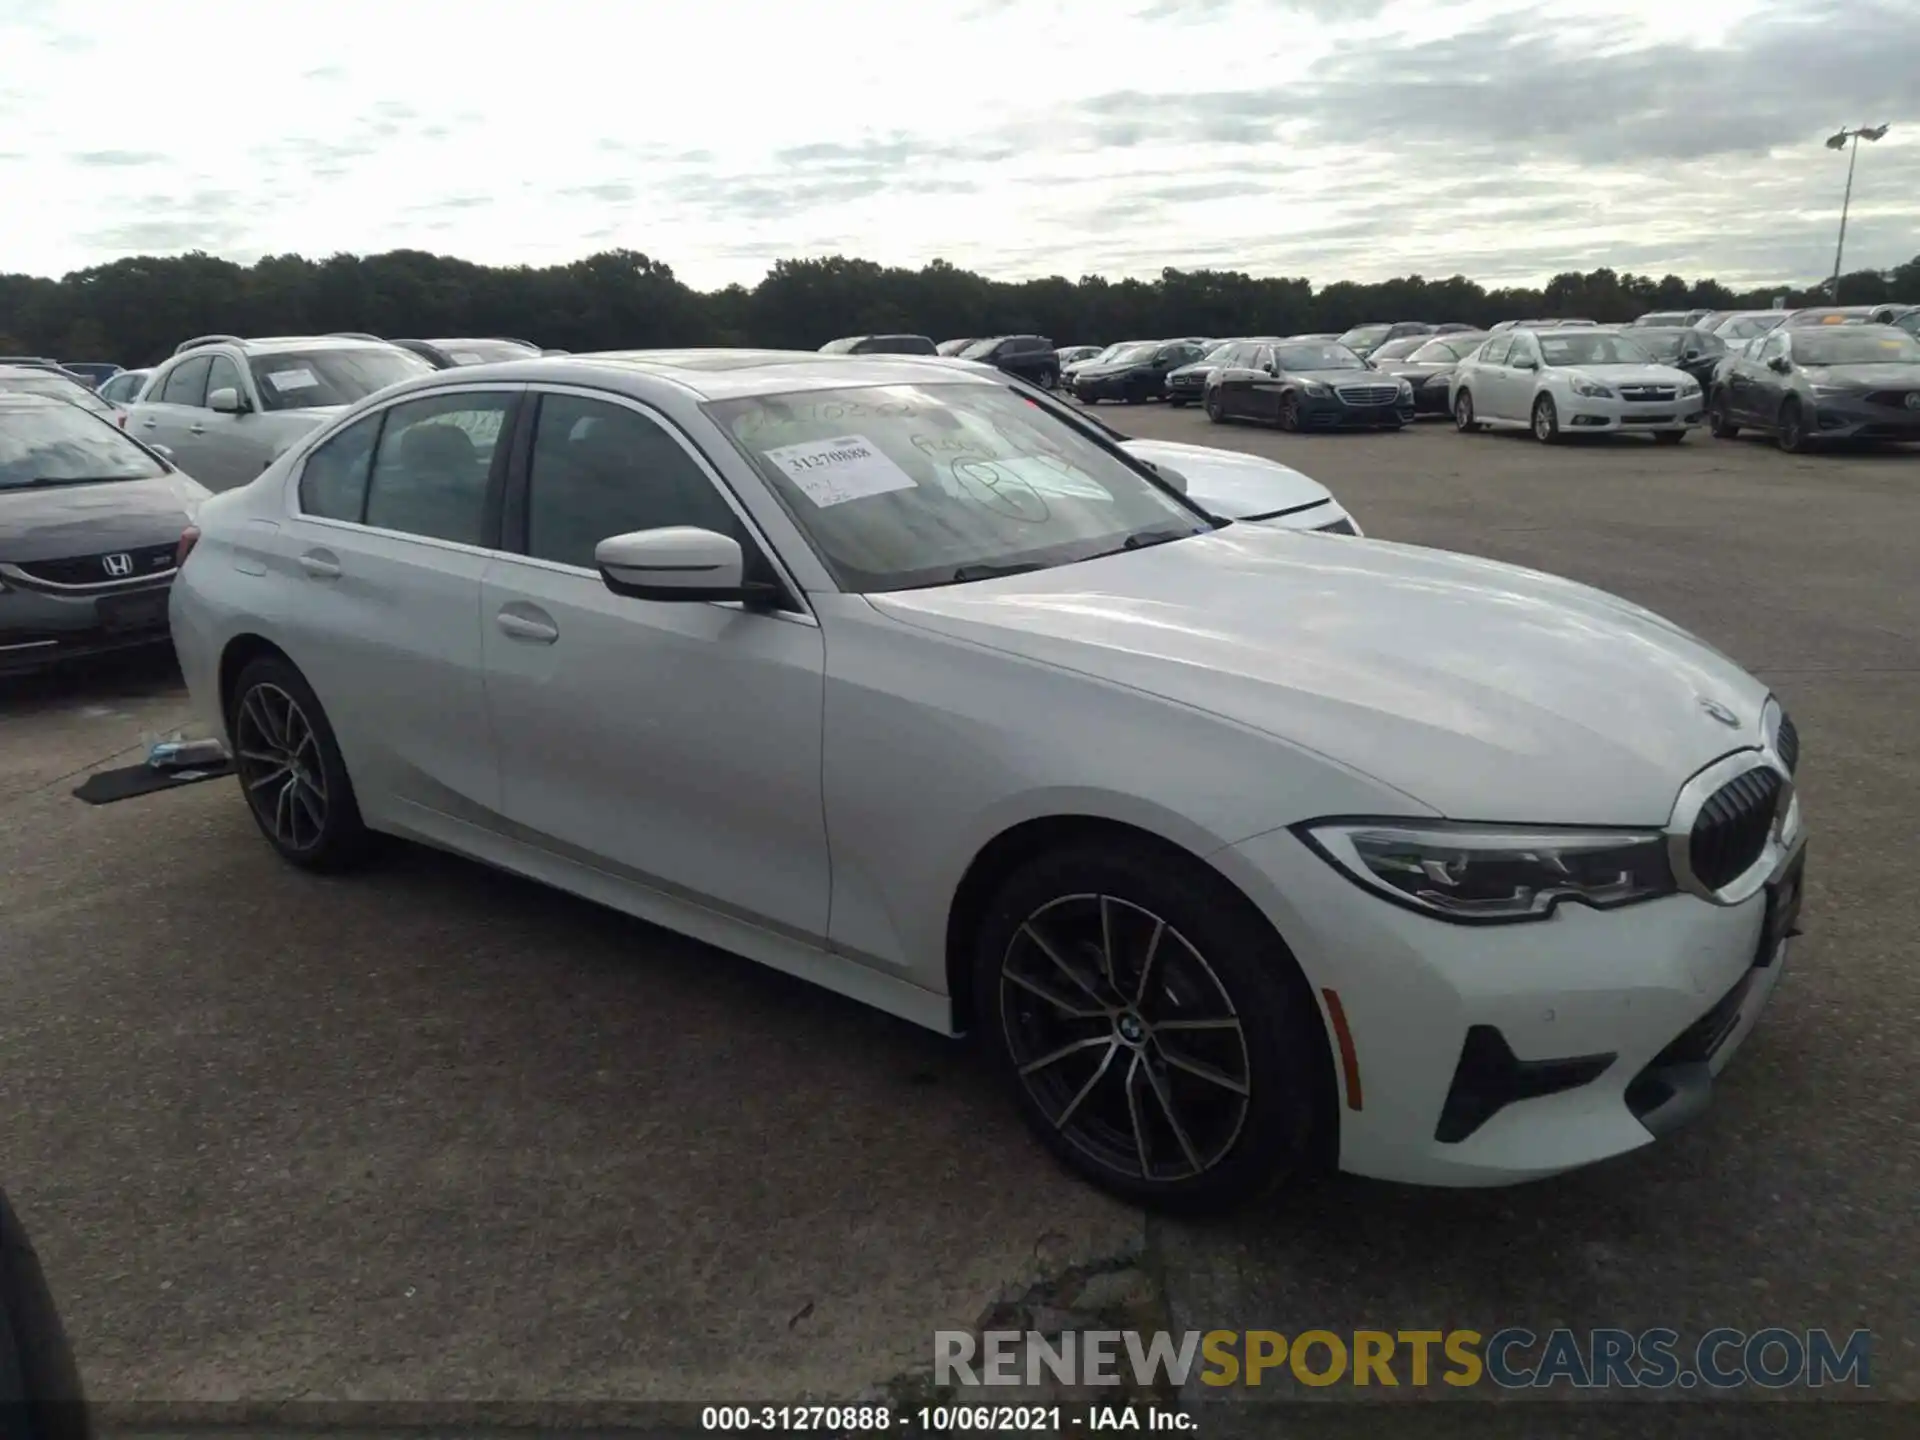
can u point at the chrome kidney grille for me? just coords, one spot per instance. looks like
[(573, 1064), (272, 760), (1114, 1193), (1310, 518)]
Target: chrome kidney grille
[(1730, 833)]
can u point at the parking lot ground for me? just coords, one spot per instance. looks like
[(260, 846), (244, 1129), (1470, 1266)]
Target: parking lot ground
[(1792, 1201), (436, 1133)]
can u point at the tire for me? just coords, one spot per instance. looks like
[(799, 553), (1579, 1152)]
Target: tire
[(1546, 421), (1669, 437), (308, 813), (40, 1390), (1463, 420), (1290, 414), (1720, 419), (1790, 434), (1216, 959), (1211, 404), (1176, 402)]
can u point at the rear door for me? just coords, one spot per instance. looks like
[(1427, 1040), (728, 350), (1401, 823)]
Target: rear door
[(396, 519), (174, 403)]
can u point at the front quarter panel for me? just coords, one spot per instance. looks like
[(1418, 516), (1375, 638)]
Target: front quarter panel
[(935, 745)]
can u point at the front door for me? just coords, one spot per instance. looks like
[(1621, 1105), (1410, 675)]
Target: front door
[(677, 744)]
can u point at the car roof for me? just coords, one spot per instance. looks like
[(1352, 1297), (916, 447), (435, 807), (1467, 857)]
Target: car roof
[(42, 370), (710, 374)]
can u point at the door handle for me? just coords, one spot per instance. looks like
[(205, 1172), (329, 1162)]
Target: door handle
[(523, 627), (321, 567)]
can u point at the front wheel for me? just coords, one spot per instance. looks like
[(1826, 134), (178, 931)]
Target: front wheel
[(1290, 414), (1176, 402), (1156, 1033), (1791, 433), (1720, 423), (290, 769), (1211, 404), (1463, 420), (1669, 437), (1546, 421)]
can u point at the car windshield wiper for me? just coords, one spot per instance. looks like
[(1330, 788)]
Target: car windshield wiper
[(989, 571), (1142, 539)]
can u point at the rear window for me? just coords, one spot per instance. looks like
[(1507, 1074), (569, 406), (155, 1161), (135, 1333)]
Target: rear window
[(48, 382), (64, 445), (895, 345), (302, 379)]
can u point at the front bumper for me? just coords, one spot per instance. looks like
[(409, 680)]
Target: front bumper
[(1584, 415), (1848, 417), (1431, 398), (1663, 993), (1330, 412), (1192, 389), (40, 627)]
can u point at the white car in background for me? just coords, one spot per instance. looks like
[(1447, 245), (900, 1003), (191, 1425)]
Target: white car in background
[(1573, 381), (1242, 848)]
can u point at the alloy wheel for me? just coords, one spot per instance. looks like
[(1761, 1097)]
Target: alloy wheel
[(1213, 405), (1290, 414), (278, 756), (1791, 435), (1125, 1038), (1546, 424), (1463, 412)]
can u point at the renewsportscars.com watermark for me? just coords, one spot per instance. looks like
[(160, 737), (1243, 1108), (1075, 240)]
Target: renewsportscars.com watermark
[(1512, 1359)]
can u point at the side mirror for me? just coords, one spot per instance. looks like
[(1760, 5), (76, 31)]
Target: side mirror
[(1526, 364), (225, 401), (1780, 365), (677, 562)]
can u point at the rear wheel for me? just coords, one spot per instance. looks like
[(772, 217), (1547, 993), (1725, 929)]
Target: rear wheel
[(1156, 1033), (1720, 419), (1290, 414), (1546, 421), (1463, 420), (290, 769)]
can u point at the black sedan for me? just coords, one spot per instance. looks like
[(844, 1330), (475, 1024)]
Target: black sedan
[(1188, 384), (1428, 366), (1031, 358), (1317, 386), (1805, 385), (1139, 372), (1363, 340), (90, 523), (1684, 348)]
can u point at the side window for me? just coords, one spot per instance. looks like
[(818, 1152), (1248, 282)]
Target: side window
[(430, 471), (1495, 352), (1776, 345), (1262, 357), (333, 480), (187, 382), (1525, 348), (225, 375), (599, 469)]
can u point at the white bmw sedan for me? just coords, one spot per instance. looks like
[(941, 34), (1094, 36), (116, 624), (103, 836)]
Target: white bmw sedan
[(1245, 849), (1573, 382)]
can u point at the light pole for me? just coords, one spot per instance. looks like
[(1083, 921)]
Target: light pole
[(1848, 140)]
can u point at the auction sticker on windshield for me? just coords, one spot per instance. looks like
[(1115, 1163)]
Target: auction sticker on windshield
[(292, 379), (832, 472)]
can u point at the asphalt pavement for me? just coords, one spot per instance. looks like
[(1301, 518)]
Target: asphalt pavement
[(431, 1132)]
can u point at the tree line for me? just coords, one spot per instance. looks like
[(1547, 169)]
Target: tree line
[(134, 311)]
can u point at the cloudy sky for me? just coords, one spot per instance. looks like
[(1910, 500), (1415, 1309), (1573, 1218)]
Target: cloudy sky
[(1502, 139)]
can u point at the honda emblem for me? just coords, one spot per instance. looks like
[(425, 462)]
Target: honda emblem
[(118, 566)]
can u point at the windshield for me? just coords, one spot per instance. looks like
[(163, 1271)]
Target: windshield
[(1881, 345), (1400, 349), (901, 486), (61, 444), (1133, 354), (1365, 335), (1589, 348), (979, 348), (1218, 353), (1318, 357), (46, 382), (484, 352), (1745, 327), (1662, 345), (301, 379)]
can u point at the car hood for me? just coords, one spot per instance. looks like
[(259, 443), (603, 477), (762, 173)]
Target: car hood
[(1485, 691), (58, 521), (1230, 483), (1417, 369), (1334, 378), (1091, 371), (1874, 376)]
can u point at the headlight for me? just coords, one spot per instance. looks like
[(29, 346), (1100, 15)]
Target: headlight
[(1439, 380), (1480, 874), (1833, 390), (1313, 387), (1405, 388), (1690, 387), (1592, 389)]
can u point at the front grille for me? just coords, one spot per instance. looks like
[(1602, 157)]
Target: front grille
[(1732, 827), (1786, 741), (1368, 394), (144, 560), (1648, 392), (1896, 398)]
